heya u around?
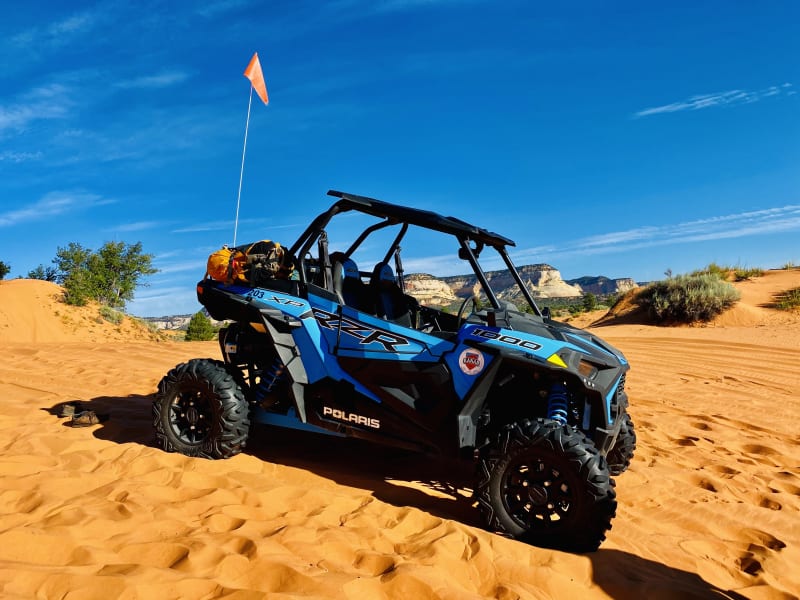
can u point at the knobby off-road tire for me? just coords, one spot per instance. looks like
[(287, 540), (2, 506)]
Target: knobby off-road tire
[(200, 410), (621, 453), (546, 484)]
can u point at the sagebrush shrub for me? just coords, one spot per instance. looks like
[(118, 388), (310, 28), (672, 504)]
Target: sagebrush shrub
[(111, 315), (728, 273), (789, 300), (688, 298)]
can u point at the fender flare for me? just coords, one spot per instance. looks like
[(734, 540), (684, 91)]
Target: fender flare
[(279, 326), (475, 401)]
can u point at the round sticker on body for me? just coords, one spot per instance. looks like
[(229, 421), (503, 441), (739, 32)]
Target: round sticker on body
[(471, 361)]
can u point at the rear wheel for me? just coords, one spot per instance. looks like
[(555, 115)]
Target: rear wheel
[(200, 410), (621, 453), (545, 483)]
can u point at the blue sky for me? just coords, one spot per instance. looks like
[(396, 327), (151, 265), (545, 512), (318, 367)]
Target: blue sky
[(606, 138)]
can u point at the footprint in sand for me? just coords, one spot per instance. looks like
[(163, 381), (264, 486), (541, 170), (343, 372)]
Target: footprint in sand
[(723, 471), (763, 538), (761, 454), (767, 502), (687, 441), (373, 564), (705, 483), (222, 523), (744, 557)]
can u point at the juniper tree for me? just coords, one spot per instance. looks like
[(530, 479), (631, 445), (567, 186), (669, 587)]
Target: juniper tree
[(110, 275), (200, 328)]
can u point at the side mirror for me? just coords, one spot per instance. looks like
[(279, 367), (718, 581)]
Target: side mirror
[(546, 313)]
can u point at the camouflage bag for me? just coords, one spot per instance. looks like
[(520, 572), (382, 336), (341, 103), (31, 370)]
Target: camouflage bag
[(253, 264)]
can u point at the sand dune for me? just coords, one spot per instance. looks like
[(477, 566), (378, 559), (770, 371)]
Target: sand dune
[(708, 509), (31, 311)]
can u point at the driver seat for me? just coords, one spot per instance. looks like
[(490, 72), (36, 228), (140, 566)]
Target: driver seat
[(347, 283), (390, 301)]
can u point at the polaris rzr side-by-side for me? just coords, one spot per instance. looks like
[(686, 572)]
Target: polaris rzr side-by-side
[(316, 343)]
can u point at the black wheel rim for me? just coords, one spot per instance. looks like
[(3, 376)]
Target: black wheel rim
[(191, 417), (538, 493)]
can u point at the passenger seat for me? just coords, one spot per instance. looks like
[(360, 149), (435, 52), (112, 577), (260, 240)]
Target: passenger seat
[(348, 286), (390, 301)]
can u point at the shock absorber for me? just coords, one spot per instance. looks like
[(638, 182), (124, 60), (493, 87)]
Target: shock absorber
[(269, 379), (557, 402)]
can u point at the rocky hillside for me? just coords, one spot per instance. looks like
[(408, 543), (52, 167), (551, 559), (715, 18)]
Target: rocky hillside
[(170, 322), (541, 280), (602, 286), (429, 290), (176, 322)]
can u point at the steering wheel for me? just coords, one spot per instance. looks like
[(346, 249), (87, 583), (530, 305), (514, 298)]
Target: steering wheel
[(460, 318)]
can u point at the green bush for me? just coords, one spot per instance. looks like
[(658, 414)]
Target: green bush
[(589, 301), (727, 273), (151, 327), (43, 273), (688, 298), (111, 315), (788, 300), (742, 274), (5, 269)]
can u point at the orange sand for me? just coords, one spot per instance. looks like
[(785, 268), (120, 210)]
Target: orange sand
[(708, 509)]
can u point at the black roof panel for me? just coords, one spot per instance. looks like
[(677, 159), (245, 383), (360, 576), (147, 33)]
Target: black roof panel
[(422, 218)]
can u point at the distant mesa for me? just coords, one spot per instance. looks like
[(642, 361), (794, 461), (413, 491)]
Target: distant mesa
[(170, 323), (177, 322), (602, 286), (541, 280)]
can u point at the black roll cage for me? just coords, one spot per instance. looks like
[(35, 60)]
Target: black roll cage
[(394, 214)]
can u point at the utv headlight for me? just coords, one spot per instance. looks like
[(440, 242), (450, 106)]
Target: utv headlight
[(587, 369)]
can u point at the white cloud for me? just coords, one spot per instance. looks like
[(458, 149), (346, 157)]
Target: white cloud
[(207, 226), (57, 33), (403, 5), (730, 97), (180, 267), (618, 237), (165, 301), (39, 104), (18, 157), (744, 224), (215, 9), (445, 264), (223, 225), (136, 226), (161, 80), (50, 205)]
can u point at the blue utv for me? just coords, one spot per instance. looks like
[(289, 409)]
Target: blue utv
[(316, 343)]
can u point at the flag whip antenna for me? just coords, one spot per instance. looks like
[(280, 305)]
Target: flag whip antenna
[(241, 171), (256, 76)]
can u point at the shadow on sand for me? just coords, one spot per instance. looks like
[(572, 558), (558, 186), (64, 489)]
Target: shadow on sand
[(357, 464)]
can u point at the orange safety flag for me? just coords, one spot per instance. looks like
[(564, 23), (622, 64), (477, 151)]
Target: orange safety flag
[(256, 76)]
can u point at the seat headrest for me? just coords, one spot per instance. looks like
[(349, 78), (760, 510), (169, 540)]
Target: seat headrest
[(350, 269), (383, 273)]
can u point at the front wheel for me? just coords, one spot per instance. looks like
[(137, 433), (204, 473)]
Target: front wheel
[(200, 410), (545, 483), (621, 453)]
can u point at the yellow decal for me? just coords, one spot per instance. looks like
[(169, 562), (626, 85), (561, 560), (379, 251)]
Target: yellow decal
[(556, 360)]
